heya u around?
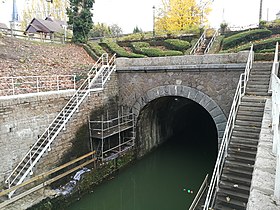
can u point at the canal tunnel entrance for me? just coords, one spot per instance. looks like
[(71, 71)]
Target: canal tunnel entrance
[(178, 119)]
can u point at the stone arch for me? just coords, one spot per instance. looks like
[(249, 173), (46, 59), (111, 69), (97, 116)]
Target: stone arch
[(197, 96)]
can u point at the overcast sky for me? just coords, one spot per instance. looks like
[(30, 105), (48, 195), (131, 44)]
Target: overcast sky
[(129, 13)]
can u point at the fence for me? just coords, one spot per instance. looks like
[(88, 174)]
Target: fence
[(35, 84), (55, 38)]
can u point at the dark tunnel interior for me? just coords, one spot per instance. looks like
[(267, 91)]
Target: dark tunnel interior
[(178, 119)]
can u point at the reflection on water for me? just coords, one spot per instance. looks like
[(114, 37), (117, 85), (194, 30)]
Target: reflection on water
[(166, 179)]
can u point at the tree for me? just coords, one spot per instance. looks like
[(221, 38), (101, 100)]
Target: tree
[(100, 30), (137, 30), (42, 9), (80, 17), (181, 15), (116, 30)]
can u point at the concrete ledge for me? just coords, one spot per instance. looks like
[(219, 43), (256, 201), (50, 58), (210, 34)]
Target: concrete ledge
[(240, 57), (190, 67), (263, 180)]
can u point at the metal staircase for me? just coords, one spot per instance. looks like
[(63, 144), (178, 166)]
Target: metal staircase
[(97, 77), (204, 44)]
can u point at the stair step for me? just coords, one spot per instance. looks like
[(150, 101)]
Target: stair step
[(229, 203), (241, 159), (236, 179), (243, 145), (234, 194), (242, 152), (252, 113), (244, 140), (254, 124), (253, 88), (226, 184), (237, 171), (243, 166), (257, 100), (249, 118), (258, 82), (257, 93), (245, 134), (245, 129), (249, 108)]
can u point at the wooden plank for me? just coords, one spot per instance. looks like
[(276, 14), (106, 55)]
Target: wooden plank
[(40, 186), (45, 174)]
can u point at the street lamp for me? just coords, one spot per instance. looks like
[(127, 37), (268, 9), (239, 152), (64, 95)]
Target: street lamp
[(154, 10)]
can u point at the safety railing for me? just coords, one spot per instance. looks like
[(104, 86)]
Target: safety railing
[(211, 42), (200, 193), (240, 91), (275, 89), (36, 84), (44, 141), (198, 43)]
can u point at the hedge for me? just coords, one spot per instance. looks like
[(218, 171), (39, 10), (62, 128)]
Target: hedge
[(121, 52), (177, 44), (259, 46), (264, 56), (244, 37), (96, 48), (144, 48), (90, 51)]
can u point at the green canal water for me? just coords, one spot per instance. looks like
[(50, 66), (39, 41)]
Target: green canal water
[(166, 179)]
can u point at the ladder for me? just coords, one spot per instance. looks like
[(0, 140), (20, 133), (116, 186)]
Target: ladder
[(97, 77)]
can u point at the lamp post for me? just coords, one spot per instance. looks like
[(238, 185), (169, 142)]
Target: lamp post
[(154, 10)]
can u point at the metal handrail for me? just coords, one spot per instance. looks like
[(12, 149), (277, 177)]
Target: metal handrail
[(198, 43), (199, 194), (240, 92), (58, 123), (275, 89), (211, 42), (35, 84)]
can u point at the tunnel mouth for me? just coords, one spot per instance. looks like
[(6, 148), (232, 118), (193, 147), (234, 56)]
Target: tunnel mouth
[(176, 119)]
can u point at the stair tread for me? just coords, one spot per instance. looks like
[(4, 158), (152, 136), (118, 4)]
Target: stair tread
[(237, 163), (234, 193), (242, 151), (239, 204), (235, 156), (234, 185)]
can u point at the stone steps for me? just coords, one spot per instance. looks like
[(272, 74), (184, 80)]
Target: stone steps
[(235, 181)]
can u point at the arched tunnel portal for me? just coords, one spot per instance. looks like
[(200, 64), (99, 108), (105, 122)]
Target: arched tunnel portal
[(190, 116)]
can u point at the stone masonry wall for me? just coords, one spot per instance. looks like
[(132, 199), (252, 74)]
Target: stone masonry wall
[(24, 118), (215, 75), (219, 85)]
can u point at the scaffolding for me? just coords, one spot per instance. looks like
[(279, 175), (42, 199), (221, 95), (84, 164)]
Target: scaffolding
[(112, 136)]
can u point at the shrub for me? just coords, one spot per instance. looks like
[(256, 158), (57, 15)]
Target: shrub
[(244, 37), (177, 44), (258, 45), (97, 49), (264, 56), (121, 52), (144, 48), (90, 51)]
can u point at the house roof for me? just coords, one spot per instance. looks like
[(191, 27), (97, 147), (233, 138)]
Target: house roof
[(3, 26), (46, 26)]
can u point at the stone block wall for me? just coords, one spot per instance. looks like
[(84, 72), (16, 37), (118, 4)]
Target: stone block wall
[(23, 119)]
